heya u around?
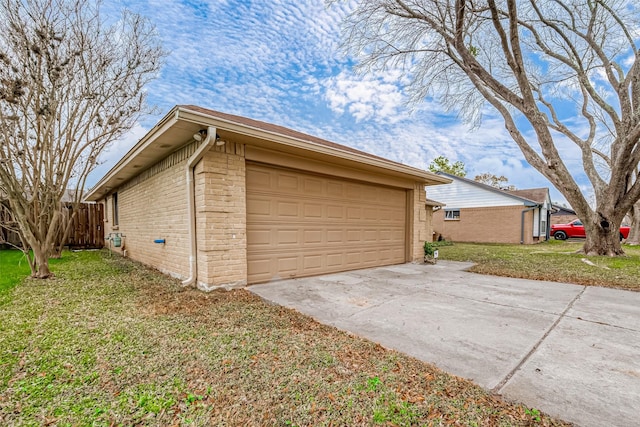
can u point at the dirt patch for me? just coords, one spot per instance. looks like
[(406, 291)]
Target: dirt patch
[(159, 300)]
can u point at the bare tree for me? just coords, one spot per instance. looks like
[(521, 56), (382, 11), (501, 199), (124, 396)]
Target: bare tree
[(69, 85), (501, 182), (557, 71)]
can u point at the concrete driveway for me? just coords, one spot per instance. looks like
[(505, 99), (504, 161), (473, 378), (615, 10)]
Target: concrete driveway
[(568, 350)]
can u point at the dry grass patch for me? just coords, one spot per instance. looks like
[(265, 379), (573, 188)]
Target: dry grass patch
[(109, 342)]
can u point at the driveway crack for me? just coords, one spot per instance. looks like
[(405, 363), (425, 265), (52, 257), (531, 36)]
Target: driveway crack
[(481, 301), (498, 388), (595, 322)]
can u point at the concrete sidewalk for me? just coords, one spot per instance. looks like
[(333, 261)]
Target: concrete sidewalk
[(568, 350)]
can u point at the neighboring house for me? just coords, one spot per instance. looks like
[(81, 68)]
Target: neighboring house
[(562, 215), (222, 201), (476, 212)]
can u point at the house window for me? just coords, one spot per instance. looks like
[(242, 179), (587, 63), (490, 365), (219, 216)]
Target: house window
[(543, 228), (452, 214), (115, 209)]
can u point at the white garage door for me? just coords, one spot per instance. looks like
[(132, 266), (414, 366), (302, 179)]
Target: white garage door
[(301, 224)]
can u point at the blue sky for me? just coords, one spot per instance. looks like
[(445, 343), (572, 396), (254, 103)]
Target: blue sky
[(278, 61)]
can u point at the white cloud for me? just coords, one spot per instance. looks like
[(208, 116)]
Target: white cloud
[(375, 98), (278, 61)]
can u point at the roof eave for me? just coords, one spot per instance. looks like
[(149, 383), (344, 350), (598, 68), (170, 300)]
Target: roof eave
[(527, 202), (425, 177), (182, 114), (170, 119), (434, 203)]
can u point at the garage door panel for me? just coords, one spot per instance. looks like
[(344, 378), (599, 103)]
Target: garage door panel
[(370, 215), (389, 236), (335, 236), (387, 215), (288, 181), (386, 235), (371, 236), (259, 178), (301, 224), (261, 237), (288, 265), (335, 212), (354, 235), (370, 256), (313, 237), (313, 210), (357, 192), (260, 266), (273, 236), (288, 237), (390, 194), (397, 253), (355, 213), (312, 262), (335, 189), (259, 206), (288, 209), (313, 186), (334, 260)]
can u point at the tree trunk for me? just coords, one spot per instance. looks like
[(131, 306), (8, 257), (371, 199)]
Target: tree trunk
[(634, 233), (602, 239), (26, 250), (41, 257), (39, 233), (66, 222)]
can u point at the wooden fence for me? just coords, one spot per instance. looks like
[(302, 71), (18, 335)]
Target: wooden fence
[(86, 230), (6, 235)]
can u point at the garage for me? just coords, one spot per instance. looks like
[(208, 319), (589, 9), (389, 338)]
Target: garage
[(223, 201), (302, 224)]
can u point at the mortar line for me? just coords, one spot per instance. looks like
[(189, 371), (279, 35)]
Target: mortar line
[(498, 388)]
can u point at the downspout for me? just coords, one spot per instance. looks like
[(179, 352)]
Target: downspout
[(522, 222), (209, 141)]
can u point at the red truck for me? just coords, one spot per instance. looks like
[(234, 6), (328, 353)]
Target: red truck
[(576, 229)]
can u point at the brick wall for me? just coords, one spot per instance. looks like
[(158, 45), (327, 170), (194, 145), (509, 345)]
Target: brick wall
[(221, 217), (486, 225), (421, 216), (154, 206), (562, 219)]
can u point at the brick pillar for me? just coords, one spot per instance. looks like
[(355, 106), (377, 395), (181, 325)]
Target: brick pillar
[(421, 218), (222, 218)]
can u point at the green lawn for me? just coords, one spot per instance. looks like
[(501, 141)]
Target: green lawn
[(553, 260), (109, 342), (13, 268)]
